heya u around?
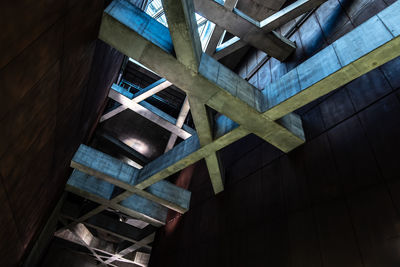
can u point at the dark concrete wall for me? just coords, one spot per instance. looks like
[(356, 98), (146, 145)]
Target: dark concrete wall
[(54, 78), (332, 202)]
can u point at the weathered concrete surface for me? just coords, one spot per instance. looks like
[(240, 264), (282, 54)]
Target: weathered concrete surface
[(183, 27), (118, 173), (367, 47), (100, 191), (271, 23), (201, 87), (117, 94), (184, 31), (249, 31), (218, 31)]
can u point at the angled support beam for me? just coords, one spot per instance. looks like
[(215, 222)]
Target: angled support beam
[(271, 23), (117, 94), (145, 241), (215, 86), (139, 97), (201, 120), (187, 40), (116, 228), (80, 235), (218, 30), (179, 123), (367, 47), (246, 29), (180, 157), (289, 13), (151, 90), (183, 28), (116, 172), (101, 191)]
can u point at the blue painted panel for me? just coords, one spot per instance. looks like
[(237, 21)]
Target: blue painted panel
[(318, 67), (171, 193), (282, 89), (391, 18), (362, 40), (91, 184), (146, 207), (179, 152), (106, 164), (122, 91), (143, 24)]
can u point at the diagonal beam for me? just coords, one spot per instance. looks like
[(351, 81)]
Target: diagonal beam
[(289, 13), (116, 172), (139, 97), (101, 191), (80, 235), (145, 241), (183, 155), (201, 120), (271, 23), (183, 28), (183, 12), (367, 47), (150, 90), (179, 123), (216, 86), (218, 31), (246, 29), (117, 94)]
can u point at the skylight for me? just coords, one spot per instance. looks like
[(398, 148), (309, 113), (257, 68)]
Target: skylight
[(205, 27)]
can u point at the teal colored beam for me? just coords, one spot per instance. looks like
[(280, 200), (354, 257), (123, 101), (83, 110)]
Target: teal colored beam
[(100, 191), (367, 47), (116, 172), (140, 22)]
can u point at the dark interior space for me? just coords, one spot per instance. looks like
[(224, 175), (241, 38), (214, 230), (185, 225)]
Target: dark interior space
[(332, 201)]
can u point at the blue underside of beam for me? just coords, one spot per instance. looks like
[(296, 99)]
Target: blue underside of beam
[(121, 171), (151, 108), (104, 189), (367, 37), (91, 184), (142, 23), (174, 155)]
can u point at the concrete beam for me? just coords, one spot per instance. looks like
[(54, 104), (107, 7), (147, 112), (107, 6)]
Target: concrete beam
[(271, 23), (118, 229), (183, 27), (197, 85), (179, 123), (218, 31), (80, 235), (188, 51), (175, 163), (151, 90), (246, 29), (116, 172), (229, 47), (270, 4), (100, 192), (147, 240), (367, 47), (203, 88), (203, 124), (289, 13), (117, 94)]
